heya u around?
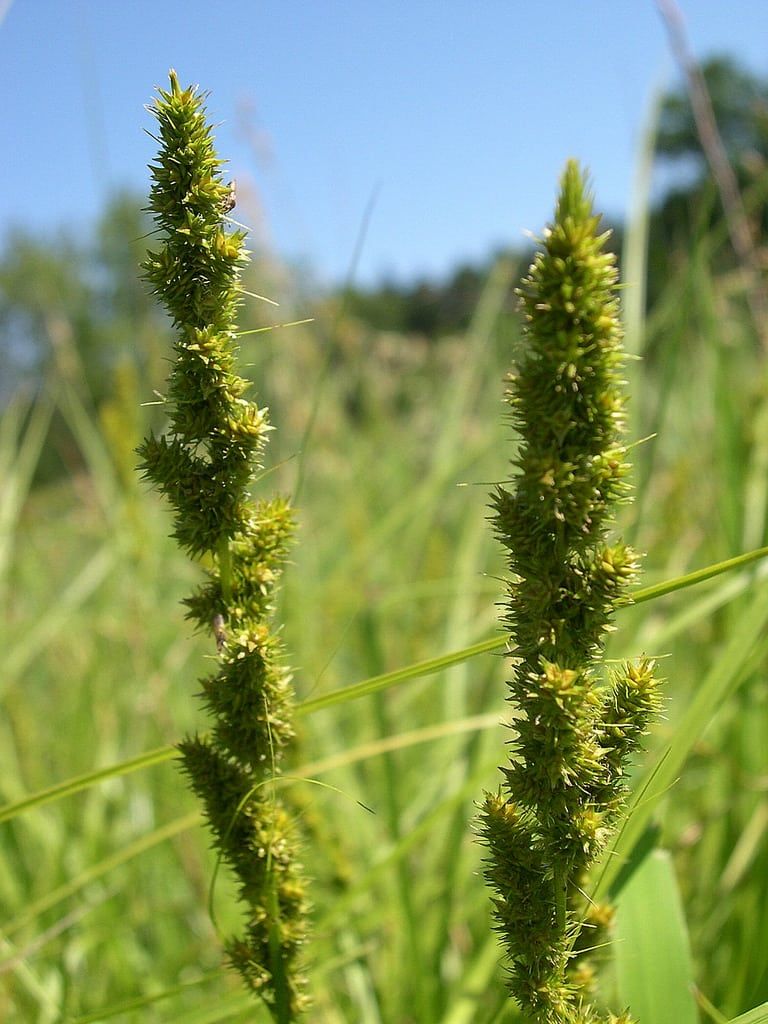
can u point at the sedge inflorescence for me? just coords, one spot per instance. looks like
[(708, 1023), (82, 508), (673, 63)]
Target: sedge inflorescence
[(205, 464), (576, 727)]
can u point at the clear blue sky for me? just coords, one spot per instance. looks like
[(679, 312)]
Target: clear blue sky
[(458, 113)]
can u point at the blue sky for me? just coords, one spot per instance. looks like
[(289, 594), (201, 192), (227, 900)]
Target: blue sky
[(457, 115)]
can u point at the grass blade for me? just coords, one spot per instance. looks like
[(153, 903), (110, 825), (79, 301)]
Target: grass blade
[(758, 1015), (81, 782), (653, 960)]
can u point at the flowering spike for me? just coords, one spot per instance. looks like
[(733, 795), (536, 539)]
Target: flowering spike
[(205, 465), (563, 785)]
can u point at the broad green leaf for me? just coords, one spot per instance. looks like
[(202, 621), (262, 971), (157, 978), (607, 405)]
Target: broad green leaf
[(652, 955), (758, 1015)]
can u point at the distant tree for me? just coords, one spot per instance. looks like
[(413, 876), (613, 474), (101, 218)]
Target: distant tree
[(74, 308), (740, 104), (692, 209), (77, 303), (431, 307), (382, 307)]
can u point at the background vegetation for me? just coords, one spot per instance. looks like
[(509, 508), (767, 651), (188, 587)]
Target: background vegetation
[(389, 431)]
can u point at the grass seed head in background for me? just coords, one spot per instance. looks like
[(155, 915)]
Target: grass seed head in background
[(563, 786), (205, 465)]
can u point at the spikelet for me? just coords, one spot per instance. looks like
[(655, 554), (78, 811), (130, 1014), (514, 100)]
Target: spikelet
[(563, 786), (205, 464)]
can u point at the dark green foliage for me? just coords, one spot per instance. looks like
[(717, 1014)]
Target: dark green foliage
[(740, 105), (690, 212), (563, 785), (205, 465), (429, 307), (74, 314)]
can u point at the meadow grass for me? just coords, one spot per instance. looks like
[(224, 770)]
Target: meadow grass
[(106, 890)]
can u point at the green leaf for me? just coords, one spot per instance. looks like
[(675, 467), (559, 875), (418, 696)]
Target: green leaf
[(383, 682), (653, 960), (85, 781), (758, 1015)]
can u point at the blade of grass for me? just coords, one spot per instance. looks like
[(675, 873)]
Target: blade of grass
[(711, 1012), (476, 983), (81, 782), (652, 955), (399, 742), (694, 611), (222, 1009), (317, 394), (20, 448), (431, 665), (76, 785), (401, 675), (697, 576), (48, 626), (758, 1015)]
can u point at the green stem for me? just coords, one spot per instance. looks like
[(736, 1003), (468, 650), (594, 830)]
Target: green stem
[(282, 1008)]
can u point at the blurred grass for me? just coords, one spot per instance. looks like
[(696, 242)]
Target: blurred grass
[(105, 891)]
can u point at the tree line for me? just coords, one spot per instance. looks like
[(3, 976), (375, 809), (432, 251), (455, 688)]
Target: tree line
[(75, 304)]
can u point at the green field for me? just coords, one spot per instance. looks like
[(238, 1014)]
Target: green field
[(389, 445)]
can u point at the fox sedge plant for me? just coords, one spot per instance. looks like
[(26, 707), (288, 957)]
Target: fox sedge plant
[(577, 724), (205, 465)]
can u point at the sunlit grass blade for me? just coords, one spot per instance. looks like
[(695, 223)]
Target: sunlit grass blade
[(80, 782), (477, 979), (273, 327), (653, 961), (23, 430), (635, 248), (695, 611), (758, 1015), (746, 851), (432, 665), (161, 754), (87, 581), (31, 982), (711, 1012), (697, 576), (402, 675), (319, 388), (400, 741), (222, 1009), (91, 442)]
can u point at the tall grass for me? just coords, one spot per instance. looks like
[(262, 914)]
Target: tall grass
[(106, 890)]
